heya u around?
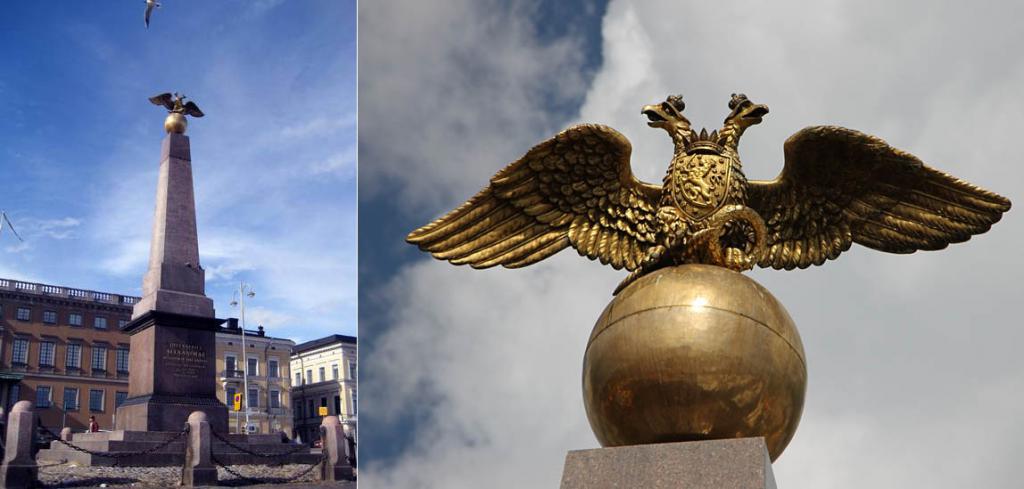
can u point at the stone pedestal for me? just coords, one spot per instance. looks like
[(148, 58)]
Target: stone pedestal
[(199, 469), (173, 328), (741, 463), (19, 469), (173, 373), (335, 466)]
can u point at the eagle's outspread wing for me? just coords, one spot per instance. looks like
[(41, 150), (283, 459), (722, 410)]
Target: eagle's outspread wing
[(841, 186), (164, 99), (192, 109), (573, 189)]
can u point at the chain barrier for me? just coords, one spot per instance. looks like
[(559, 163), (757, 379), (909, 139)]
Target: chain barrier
[(116, 456), (275, 480), (281, 455)]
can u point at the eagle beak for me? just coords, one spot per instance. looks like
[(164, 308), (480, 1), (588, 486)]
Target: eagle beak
[(656, 115), (756, 112)]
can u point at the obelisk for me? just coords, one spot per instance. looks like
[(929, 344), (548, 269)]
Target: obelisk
[(173, 327)]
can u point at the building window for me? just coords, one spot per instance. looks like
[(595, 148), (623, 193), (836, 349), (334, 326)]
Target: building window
[(122, 360), (99, 322), (309, 376), (119, 398), (275, 399), (50, 317), (352, 370), (15, 395), (272, 368), (43, 396), (96, 400), (354, 403), (24, 314), (334, 371), (229, 397), (70, 398), (253, 400), (298, 378), (121, 323), (75, 319), (99, 359), (19, 351), (73, 357), (250, 368), (323, 376), (337, 404), (46, 353), (229, 365)]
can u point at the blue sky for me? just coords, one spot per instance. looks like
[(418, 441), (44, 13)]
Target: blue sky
[(273, 160)]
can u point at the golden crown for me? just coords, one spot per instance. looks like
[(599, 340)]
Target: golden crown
[(704, 142)]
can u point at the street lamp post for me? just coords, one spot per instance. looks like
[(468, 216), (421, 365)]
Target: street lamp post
[(244, 290)]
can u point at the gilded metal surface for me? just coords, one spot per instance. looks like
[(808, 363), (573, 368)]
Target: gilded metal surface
[(694, 352), (838, 187), (689, 351), (178, 109)]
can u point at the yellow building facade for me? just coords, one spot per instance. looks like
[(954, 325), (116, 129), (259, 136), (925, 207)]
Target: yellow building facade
[(324, 373), (263, 368)]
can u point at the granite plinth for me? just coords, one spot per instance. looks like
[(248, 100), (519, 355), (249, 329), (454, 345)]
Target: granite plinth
[(740, 463), (173, 366)]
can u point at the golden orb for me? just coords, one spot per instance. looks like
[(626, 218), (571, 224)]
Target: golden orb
[(175, 123), (694, 352)]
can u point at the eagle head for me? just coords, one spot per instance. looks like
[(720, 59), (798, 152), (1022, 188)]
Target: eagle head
[(744, 112), (668, 115)]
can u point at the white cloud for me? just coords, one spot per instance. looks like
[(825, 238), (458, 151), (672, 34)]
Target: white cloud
[(341, 164), (436, 131), (912, 359)]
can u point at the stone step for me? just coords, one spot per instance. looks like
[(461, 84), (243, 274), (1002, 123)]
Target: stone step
[(121, 435), (173, 447), (168, 459)]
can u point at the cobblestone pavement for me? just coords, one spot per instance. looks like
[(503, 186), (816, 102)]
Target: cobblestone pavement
[(70, 475)]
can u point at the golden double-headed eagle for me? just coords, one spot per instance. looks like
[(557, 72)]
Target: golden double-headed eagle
[(838, 187), (176, 104)]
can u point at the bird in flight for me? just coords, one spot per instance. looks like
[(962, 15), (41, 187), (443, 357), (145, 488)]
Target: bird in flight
[(150, 5), (5, 219), (838, 187)]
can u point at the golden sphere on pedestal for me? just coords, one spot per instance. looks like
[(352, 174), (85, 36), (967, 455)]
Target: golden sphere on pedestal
[(175, 123), (694, 352)]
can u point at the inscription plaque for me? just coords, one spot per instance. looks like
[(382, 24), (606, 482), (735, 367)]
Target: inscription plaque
[(185, 360)]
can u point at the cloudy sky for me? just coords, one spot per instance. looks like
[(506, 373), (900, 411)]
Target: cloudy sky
[(273, 160), (472, 378)]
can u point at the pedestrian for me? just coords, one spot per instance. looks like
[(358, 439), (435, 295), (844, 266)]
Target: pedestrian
[(93, 425)]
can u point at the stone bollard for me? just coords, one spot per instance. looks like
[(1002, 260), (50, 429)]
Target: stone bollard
[(350, 446), (335, 466), (19, 467), (198, 469), (65, 434)]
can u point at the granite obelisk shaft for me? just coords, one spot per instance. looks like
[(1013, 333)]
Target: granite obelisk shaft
[(174, 281), (173, 328)]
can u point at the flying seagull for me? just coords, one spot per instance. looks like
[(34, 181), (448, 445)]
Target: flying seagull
[(149, 10), (3, 219)]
